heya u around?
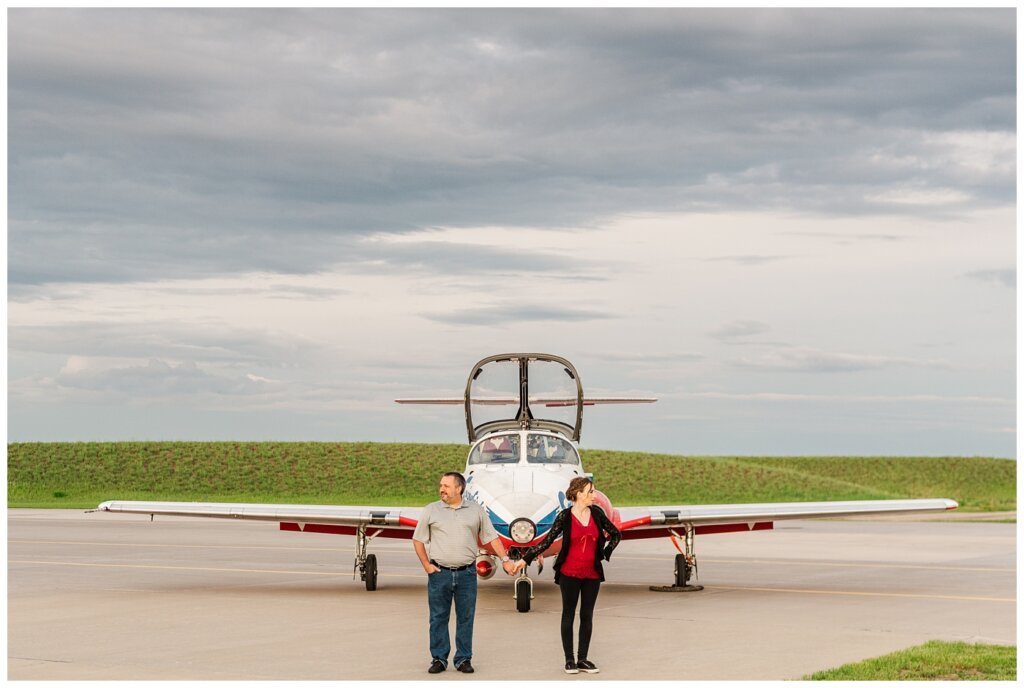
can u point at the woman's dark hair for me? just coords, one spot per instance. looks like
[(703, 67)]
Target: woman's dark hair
[(576, 486), (459, 480)]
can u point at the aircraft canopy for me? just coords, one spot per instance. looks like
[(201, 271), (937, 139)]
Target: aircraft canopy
[(524, 392)]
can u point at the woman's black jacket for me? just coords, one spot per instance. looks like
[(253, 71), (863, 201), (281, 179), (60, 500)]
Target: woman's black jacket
[(562, 527)]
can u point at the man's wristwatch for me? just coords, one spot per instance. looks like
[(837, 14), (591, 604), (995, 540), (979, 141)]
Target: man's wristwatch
[(504, 559)]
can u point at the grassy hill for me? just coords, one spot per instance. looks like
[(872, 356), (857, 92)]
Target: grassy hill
[(82, 474)]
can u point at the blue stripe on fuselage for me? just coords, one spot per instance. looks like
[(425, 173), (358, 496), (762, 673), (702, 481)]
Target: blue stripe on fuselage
[(543, 526)]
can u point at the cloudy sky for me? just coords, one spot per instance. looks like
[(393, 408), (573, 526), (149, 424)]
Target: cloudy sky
[(794, 228)]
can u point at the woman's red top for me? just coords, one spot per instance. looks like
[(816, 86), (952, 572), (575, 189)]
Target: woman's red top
[(579, 562)]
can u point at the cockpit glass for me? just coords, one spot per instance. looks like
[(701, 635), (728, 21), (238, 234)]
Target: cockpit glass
[(494, 394), (552, 392), (549, 449), (498, 449)]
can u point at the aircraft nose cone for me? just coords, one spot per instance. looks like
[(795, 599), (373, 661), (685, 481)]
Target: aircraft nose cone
[(537, 508)]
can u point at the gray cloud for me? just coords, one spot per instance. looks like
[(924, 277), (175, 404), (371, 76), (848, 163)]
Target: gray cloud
[(808, 360), (749, 260), (651, 358), (46, 259), (514, 313), (164, 340), (1006, 277), (850, 238), (164, 143), (159, 379), (739, 329)]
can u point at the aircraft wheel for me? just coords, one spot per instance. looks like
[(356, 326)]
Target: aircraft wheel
[(370, 572), (682, 570), (523, 596)]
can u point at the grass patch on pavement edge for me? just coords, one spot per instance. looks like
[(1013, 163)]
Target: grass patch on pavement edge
[(936, 660)]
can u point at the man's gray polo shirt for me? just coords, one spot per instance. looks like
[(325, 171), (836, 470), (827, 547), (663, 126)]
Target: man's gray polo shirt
[(452, 533)]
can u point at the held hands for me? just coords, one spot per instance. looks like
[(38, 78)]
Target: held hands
[(516, 566), (509, 567)]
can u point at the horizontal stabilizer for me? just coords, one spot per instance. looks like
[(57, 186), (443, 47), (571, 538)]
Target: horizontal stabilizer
[(534, 401), (436, 400)]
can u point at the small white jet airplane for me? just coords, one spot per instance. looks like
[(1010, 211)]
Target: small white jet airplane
[(518, 468)]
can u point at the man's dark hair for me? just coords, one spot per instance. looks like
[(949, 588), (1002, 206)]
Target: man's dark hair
[(459, 480)]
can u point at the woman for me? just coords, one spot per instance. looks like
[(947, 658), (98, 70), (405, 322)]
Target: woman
[(578, 570)]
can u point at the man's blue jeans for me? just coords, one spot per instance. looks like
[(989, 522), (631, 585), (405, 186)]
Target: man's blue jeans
[(442, 588)]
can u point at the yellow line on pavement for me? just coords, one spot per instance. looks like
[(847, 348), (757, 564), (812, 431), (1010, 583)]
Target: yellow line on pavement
[(148, 544), (790, 562), (866, 594), (619, 557), (376, 545)]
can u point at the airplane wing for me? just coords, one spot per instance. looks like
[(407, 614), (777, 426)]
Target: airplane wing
[(592, 401), (394, 522), (659, 521)]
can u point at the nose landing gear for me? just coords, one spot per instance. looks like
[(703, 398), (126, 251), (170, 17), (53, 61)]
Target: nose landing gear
[(523, 592)]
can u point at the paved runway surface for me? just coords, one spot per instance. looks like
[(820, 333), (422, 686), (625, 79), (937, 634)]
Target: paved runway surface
[(104, 596)]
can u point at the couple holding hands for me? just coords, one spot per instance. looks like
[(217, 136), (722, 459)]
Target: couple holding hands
[(454, 526)]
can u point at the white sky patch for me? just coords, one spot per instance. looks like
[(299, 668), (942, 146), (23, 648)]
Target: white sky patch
[(921, 197), (987, 153), (534, 238), (259, 378)]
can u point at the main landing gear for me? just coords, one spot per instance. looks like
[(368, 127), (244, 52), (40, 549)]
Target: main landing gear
[(685, 565), (366, 564)]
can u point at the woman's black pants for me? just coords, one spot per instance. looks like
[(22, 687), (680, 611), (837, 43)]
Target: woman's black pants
[(585, 592)]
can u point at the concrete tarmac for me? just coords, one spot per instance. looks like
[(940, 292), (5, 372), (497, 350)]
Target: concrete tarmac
[(105, 596)]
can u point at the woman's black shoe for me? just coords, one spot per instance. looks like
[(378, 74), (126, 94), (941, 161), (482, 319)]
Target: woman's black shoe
[(570, 667), (587, 666)]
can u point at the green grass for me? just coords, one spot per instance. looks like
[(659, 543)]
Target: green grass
[(934, 661), (83, 474)]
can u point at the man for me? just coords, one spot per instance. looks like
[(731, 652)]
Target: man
[(454, 527)]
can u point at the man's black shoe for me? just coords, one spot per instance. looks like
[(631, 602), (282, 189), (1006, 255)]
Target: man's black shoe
[(465, 667), (570, 667), (436, 667), (587, 666)]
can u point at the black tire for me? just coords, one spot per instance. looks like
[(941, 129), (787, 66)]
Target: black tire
[(682, 571), (523, 596), (370, 572)]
